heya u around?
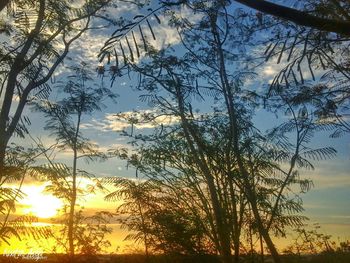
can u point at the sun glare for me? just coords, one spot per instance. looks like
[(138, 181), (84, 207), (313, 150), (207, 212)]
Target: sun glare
[(38, 203)]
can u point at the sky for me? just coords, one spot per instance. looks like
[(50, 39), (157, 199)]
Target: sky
[(326, 203)]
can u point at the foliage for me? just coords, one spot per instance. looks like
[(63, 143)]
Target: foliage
[(43, 32), (89, 233), (20, 162), (36, 36), (311, 241), (158, 219)]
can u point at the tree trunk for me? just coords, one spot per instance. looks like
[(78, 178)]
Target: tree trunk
[(263, 231), (234, 132), (236, 225), (4, 114), (145, 239), (198, 154), (71, 221), (261, 248), (74, 191), (72, 210), (3, 144)]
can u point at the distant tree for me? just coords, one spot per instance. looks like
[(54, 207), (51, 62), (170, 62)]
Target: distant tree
[(157, 215), (309, 240), (64, 120), (136, 202)]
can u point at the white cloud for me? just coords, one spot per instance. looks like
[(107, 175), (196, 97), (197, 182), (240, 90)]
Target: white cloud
[(141, 119)]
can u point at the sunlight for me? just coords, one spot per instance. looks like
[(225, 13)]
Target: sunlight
[(39, 203)]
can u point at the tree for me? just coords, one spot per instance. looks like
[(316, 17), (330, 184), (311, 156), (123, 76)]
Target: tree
[(136, 197), (253, 164), (44, 32), (64, 121), (158, 215), (305, 36)]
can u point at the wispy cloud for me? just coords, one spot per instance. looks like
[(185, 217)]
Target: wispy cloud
[(329, 174), (141, 119)]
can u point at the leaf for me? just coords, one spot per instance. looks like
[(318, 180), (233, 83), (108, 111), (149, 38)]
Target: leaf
[(321, 153), (271, 51), (283, 47), (158, 20), (300, 73), (135, 43), (130, 49), (143, 39), (116, 59), (268, 48), (138, 16), (150, 28), (124, 57), (292, 48)]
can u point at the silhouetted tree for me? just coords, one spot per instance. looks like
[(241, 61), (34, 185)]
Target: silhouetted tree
[(64, 120), (136, 202), (159, 215), (301, 36), (253, 163)]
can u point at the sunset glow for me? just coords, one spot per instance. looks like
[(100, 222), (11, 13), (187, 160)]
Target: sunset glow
[(39, 203)]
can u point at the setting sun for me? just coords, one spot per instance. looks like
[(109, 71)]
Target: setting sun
[(39, 203)]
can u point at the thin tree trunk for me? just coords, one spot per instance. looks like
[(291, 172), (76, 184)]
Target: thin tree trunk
[(16, 68), (236, 226), (3, 144), (144, 231), (72, 209), (261, 249), (264, 232), (4, 114), (74, 191)]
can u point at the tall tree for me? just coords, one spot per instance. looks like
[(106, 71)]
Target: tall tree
[(64, 121), (250, 161), (300, 35)]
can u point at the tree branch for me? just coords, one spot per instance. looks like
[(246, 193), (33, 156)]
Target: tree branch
[(299, 17), (3, 4)]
